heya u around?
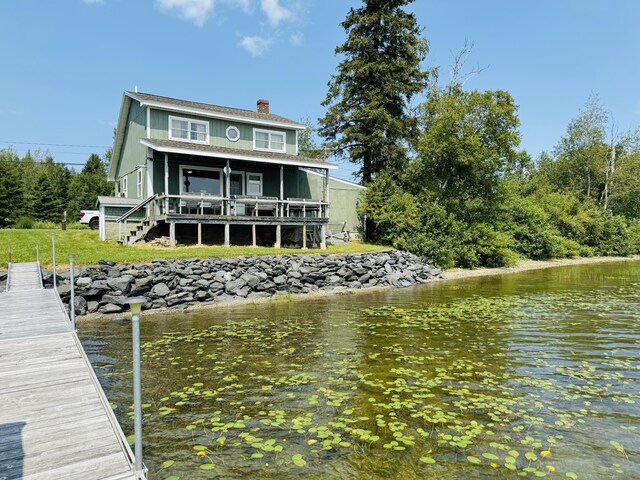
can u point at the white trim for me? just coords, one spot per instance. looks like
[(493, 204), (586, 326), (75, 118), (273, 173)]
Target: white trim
[(149, 163), (139, 183), (297, 148), (269, 133), (261, 183), (101, 223), (233, 156), (189, 121), (148, 122), (124, 191), (209, 113), (339, 180), (232, 127), (197, 167)]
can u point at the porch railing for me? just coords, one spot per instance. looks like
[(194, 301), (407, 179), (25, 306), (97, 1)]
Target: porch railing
[(242, 205)]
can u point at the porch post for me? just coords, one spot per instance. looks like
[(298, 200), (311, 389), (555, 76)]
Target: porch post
[(228, 192), (304, 236), (172, 234), (325, 194), (166, 183), (281, 190), (278, 236), (323, 235), (253, 234), (199, 234), (226, 234)]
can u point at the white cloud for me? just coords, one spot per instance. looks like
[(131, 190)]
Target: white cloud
[(196, 11), (296, 39), (275, 12), (255, 45), (245, 5)]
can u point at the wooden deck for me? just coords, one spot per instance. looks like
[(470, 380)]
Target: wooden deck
[(55, 422)]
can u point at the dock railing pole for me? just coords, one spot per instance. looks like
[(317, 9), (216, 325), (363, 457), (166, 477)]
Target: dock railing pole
[(53, 257), (136, 308), (9, 252), (72, 302)]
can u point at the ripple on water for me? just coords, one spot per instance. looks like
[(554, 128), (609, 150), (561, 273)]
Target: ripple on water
[(534, 374)]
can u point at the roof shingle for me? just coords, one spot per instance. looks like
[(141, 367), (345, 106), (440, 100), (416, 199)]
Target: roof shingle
[(248, 114)]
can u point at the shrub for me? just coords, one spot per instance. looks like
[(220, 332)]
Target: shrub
[(25, 223), (45, 225), (483, 245), (77, 226)]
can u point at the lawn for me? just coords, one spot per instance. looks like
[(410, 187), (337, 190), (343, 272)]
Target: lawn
[(89, 249)]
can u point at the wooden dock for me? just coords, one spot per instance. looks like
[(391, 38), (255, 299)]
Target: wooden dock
[(55, 421)]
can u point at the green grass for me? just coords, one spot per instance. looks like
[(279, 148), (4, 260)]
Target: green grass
[(89, 249)]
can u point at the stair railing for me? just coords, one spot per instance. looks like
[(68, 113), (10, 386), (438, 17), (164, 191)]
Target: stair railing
[(122, 220)]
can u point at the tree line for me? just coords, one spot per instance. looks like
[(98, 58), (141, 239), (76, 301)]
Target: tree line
[(35, 187), (446, 178)]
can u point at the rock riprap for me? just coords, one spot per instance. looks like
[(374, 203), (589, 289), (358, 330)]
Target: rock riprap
[(105, 288)]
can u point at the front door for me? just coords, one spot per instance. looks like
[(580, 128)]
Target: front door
[(236, 181)]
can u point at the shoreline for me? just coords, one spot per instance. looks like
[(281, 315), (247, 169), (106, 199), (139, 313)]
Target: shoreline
[(529, 265), (454, 274)]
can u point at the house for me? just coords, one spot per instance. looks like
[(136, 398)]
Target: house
[(197, 172)]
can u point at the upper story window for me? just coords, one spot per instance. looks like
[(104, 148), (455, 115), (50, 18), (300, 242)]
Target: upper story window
[(269, 140), (233, 134), (189, 130)]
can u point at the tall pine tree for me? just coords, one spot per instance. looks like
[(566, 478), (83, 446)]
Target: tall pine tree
[(10, 188), (86, 186), (369, 97)]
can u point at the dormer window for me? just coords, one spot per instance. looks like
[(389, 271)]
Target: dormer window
[(268, 140), (188, 130)]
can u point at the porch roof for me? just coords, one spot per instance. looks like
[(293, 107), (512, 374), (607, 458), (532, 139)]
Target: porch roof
[(185, 148), (117, 201)]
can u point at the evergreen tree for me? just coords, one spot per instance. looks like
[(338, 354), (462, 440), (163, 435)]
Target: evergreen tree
[(10, 188), (87, 185), (47, 204), (369, 98)]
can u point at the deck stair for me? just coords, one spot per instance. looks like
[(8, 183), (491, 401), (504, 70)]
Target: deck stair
[(140, 232)]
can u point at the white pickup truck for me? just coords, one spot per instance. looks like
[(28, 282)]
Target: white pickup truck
[(91, 218)]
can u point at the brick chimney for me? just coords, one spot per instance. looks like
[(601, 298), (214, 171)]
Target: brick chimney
[(263, 106)]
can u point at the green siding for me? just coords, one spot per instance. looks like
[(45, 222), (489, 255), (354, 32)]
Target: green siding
[(158, 173), (113, 213), (218, 131), (343, 199), (133, 152)]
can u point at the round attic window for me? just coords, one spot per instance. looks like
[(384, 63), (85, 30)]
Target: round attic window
[(233, 134)]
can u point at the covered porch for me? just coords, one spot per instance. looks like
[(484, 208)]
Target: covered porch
[(258, 190)]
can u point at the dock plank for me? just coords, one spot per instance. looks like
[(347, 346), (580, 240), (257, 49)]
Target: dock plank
[(55, 421)]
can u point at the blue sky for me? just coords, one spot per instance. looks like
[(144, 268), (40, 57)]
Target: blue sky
[(65, 63)]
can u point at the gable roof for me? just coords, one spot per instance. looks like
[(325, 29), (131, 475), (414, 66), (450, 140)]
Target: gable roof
[(187, 148), (194, 108), (215, 111)]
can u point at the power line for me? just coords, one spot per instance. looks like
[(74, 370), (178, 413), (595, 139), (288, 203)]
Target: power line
[(42, 162), (54, 144), (57, 152)]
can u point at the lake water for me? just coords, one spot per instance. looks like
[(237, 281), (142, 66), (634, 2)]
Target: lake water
[(524, 375)]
